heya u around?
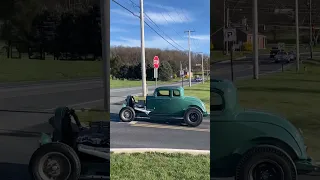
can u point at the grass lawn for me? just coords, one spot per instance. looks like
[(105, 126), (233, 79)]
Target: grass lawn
[(17, 70), (295, 96), (90, 116), (219, 56), (14, 70), (127, 83), (159, 166), (201, 91)]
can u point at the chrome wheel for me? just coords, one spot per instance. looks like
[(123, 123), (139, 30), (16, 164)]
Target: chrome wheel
[(127, 115)]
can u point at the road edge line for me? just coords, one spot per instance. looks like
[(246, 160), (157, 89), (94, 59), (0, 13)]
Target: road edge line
[(159, 150)]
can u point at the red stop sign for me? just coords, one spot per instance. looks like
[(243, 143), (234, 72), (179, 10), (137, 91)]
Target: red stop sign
[(156, 62)]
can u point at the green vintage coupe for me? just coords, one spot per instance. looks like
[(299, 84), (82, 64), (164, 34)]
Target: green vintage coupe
[(167, 102), (252, 145)]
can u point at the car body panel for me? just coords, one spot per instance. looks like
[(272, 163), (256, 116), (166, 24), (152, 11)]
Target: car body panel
[(259, 127), (170, 106)]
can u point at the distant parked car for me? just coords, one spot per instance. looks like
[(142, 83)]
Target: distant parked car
[(274, 51), (282, 56), (292, 55), (198, 79)]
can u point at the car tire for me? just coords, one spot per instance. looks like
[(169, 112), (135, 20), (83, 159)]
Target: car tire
[(127, 114), (63, 152), (269, 159), (193, 117)]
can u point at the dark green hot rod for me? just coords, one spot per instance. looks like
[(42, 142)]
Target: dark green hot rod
[(168, 102), (253, 145)]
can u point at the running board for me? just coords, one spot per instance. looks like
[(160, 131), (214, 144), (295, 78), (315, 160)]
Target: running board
[(142, 110), (98, 152), (86, 177)]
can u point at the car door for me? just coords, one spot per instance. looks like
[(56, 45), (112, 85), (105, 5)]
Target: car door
[(177, 104), (162, 102)]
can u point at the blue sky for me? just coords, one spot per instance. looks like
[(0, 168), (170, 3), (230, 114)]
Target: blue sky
[(172, 18)]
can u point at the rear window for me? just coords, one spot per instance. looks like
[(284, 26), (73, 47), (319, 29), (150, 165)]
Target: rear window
[(216, 102), (176, 93), (163, 93)]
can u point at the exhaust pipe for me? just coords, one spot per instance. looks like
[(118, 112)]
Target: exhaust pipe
[(98, 152)]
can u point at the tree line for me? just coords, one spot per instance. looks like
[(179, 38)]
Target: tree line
[(56, 29), (125, 63)]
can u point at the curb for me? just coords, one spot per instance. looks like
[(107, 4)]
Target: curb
[(160, 150)]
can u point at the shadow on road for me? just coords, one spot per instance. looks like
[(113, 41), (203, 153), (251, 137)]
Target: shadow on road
[(14, 171), (174, 122)]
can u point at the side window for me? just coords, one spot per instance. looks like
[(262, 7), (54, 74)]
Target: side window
[(216, 102), (176, 93), (163, 93)]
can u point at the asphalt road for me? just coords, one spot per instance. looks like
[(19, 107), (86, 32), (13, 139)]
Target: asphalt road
[(19, 132), (243, 69), (155, 134)]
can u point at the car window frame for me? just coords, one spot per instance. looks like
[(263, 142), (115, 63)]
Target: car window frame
[(221, 94), (158, 92), (172, 92)]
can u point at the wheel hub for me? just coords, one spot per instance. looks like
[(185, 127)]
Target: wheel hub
[(193, 116), (127, 114), (266, 171), (53, 166)]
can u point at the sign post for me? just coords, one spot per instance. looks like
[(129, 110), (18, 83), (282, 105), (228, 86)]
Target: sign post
[(182, 74), (230, 35), (156, 64)]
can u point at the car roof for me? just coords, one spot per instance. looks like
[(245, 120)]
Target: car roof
[(169, 88)]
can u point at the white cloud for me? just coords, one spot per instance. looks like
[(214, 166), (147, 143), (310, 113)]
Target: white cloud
[(200, 37), (168, 8), (158, 42), (168, 17), (123, 13), (115, 29), (154, 42)]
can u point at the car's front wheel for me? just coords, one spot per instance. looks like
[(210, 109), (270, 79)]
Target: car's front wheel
[(127, 114), (266, 163), (193, 117), (55, 161)]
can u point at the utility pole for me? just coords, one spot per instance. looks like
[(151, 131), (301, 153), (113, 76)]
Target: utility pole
[(255, 41), (143, 60), (224, 23), (202, 68), (105, 33), (297, 37), (310, 24), (227, 27), (189, 33)]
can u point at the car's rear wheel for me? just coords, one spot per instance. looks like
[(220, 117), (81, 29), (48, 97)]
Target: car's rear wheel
[(266, 163), (55, 161), (193, 117), (127, 114)]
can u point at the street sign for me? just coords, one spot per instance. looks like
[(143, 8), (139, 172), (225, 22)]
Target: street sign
[(198, 64), (156, 62), (230, 35), (155, 73)]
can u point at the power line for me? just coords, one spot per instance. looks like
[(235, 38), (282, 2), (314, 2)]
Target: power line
[(157, 26), (146, 24)]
